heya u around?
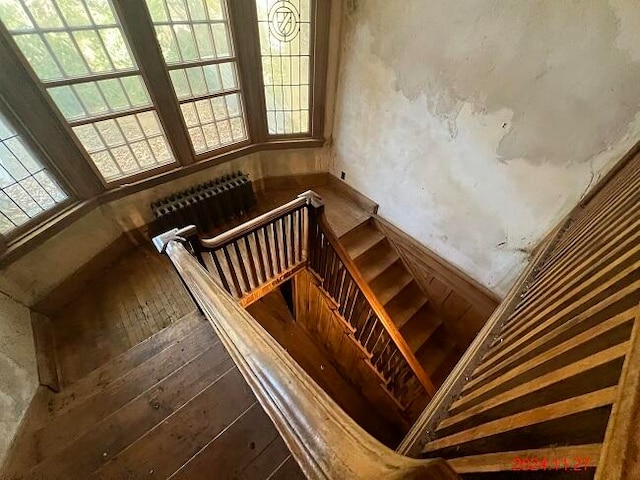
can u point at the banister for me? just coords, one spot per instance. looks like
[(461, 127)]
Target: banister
[(257, 222), (424, 426), (325, 441), (375, 304)]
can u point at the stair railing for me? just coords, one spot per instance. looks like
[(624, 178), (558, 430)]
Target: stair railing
[(552, 382), (252, 259), (255, 257), (371, 327), (325, 441)]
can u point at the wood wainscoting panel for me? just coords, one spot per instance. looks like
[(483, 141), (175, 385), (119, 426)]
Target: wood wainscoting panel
[(462, 302), (316, 313)]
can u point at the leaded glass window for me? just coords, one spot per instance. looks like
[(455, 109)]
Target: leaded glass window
[(27, 189), (197, 46), (78, 50), (285, 29)]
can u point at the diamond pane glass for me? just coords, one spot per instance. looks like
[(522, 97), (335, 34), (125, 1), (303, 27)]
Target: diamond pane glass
[(26, 187)]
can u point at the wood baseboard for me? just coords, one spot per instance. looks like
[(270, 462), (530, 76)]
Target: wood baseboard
[(307, 181), (46, 358), (348, 191)]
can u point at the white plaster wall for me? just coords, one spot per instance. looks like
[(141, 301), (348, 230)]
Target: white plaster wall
[(18, 370), (32, 276), (478, 125)]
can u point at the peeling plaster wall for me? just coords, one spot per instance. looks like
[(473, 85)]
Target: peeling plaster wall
[(18, 370), (37, 273), (477, 125)]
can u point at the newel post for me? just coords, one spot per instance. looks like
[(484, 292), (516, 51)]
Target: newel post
[(314, 208)]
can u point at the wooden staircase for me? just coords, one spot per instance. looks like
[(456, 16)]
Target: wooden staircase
[(407, 305), (174, 406)]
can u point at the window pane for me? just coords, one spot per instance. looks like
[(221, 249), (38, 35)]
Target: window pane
[(284, 28), (26, 188), (182, 40), (81, 46), (125, 145), (193, 36), (85, 39), (212, 124)]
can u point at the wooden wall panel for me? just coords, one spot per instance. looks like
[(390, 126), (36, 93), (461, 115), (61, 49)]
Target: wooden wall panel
[(315, 312), (463, 303)]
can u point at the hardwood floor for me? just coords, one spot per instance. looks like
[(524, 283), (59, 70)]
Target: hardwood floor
[(148, 390), (174, 406), (138, 296)]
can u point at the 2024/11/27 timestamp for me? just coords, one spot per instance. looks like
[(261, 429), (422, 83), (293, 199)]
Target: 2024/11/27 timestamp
[(575, 464)]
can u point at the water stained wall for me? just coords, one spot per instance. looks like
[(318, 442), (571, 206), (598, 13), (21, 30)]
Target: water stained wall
[(477, 125)]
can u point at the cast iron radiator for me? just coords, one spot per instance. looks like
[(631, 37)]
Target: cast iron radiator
[(206, 205)]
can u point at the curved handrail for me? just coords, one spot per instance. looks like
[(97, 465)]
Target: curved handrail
[(255, 223), (325, 441)]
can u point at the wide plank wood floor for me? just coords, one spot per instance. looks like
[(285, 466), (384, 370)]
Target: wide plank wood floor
[(138, 296)]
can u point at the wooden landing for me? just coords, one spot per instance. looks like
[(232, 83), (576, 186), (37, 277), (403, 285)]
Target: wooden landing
[(175, 406), (136, 297)]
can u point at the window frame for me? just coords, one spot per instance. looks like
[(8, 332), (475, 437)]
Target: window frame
[(67, 160), (44, 159)]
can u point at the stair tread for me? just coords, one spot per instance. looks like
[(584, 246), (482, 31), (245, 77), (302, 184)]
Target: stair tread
[(376, 260), (390, 282), (420, 327), (405, 304), (116, 432), (82, 416), (100, 378), (361, 239), (434, 351)]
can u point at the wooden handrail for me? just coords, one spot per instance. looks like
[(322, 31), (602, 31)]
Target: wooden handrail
[(436, 410), (325, 441), (375, 304), (255, 223)]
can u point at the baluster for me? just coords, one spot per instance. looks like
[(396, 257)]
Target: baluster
[(354, 295), (392, 364), (325, 255), (272, 271), (223, 276), (277, 247), (361, 313), (374, 335), (263, 272), (368, 326), (252, 262), (232, 271), (285, 242), (292, 238), (300, 233), (383, 349), (243, 270), (339, 293), (317, 248), (345, 296), (330, 265)]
